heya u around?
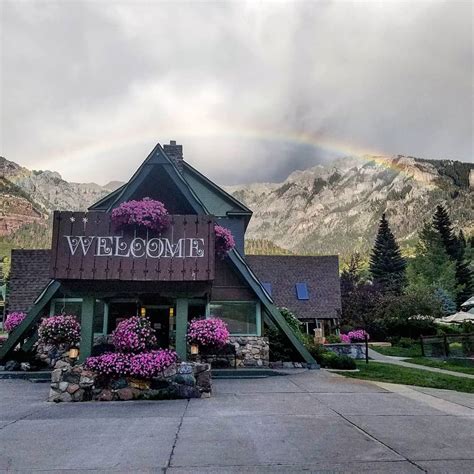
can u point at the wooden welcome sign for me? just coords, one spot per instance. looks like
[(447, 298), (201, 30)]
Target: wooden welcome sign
[(88, 246)]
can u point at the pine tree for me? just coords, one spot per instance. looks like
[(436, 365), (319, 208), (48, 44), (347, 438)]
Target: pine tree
[(442, 224), (431, 267), (387, 265), (455, 247)]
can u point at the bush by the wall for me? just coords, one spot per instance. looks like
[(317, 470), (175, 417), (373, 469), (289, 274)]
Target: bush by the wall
[(330, 360)]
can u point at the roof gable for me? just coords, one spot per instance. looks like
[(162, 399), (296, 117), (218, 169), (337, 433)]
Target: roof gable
[(156, 163), (217, 201)]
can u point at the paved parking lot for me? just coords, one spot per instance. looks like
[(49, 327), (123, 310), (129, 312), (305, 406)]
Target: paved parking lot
[(311, 421)]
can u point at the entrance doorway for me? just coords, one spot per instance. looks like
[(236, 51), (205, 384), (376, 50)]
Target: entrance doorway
[(162, 319)]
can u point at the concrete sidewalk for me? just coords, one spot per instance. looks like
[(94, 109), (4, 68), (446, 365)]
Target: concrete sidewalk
[(313, 421), (377, 357)]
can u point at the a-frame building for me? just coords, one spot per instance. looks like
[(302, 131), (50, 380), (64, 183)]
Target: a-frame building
[(170, 290)]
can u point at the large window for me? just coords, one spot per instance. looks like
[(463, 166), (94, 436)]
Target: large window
[(74, 306), (242, 317)]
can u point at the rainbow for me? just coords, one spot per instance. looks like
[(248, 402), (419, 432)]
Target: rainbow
[(142, 136)]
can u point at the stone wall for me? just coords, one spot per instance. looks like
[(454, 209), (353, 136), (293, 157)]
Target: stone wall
[(76, 384), (252, 351), (356, 350)]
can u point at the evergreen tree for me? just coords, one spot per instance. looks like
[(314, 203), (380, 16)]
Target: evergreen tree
[(431, 267), (455, 247), (448, 306), (387, 265), (442, 224)]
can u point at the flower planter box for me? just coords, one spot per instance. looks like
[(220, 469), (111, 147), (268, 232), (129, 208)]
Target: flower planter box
[(356, 350), (180, 381)]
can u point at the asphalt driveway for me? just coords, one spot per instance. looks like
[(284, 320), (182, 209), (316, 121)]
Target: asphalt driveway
[(311, 421)]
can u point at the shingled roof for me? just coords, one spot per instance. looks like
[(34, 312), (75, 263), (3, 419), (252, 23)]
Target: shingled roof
[(321, 275), (29, 275)]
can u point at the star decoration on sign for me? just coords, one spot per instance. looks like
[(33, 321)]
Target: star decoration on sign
[(72, 219), (85, 219)]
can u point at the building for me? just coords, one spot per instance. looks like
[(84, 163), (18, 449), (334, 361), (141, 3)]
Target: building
[(103, 275)]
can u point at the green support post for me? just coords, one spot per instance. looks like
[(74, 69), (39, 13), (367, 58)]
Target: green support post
[(181, 326), (87, 328)]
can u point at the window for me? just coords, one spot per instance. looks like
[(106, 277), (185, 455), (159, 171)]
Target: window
[(242, 317), (268, 288), (302, 291), (74, 306)]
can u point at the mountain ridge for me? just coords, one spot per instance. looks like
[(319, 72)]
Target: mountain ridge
[(328, 208)]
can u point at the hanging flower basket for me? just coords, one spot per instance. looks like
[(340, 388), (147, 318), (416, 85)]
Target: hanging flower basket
[(61, 330), (146, 213), (13, 320), (134, 334), (224, 241)]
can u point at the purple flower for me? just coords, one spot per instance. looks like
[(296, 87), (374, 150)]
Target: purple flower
[(146, 213), (224, 241), (345, 338), (357, 335), (61, 329), (211, 332), (13, 320), (135, 334), (145, 365)]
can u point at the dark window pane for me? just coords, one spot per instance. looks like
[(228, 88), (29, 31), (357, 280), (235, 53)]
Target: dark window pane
[(99, 317), (241, 318)]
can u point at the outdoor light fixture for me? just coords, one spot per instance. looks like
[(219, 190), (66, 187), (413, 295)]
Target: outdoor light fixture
[(142, 312), (171, 312), (194, 349), (73, 353)]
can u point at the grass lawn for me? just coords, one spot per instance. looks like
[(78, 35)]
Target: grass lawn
[(413, 351), (381, 372), (454, 365)]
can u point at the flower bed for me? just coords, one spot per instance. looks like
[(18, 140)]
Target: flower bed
[(13, 320), (144, 365), (146, 213)]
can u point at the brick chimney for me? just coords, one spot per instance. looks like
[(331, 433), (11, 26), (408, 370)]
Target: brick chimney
[(175, 152)]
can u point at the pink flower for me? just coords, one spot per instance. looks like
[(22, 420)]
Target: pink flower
[(13, 320), (61, 329), (135, 334), (211, 332), (145, 365), (224, 241), (146, 213), (358, 335), (345, 338)]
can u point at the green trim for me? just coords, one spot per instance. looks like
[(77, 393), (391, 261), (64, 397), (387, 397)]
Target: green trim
[(268, 305), (87, 327), (158, 157), (181, 326), (244, 210), (21, 331), (102, 202)]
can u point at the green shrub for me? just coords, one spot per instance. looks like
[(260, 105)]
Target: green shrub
[(333, 339), (330, 360), (407, 342)]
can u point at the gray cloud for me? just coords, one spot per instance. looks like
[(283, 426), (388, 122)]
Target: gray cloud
[(252, 90)]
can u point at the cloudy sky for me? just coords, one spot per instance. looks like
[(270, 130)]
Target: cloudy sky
[(252, 90)]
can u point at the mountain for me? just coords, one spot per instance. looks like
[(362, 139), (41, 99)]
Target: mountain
[(27, 199), (335, 208), (332, 208)]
